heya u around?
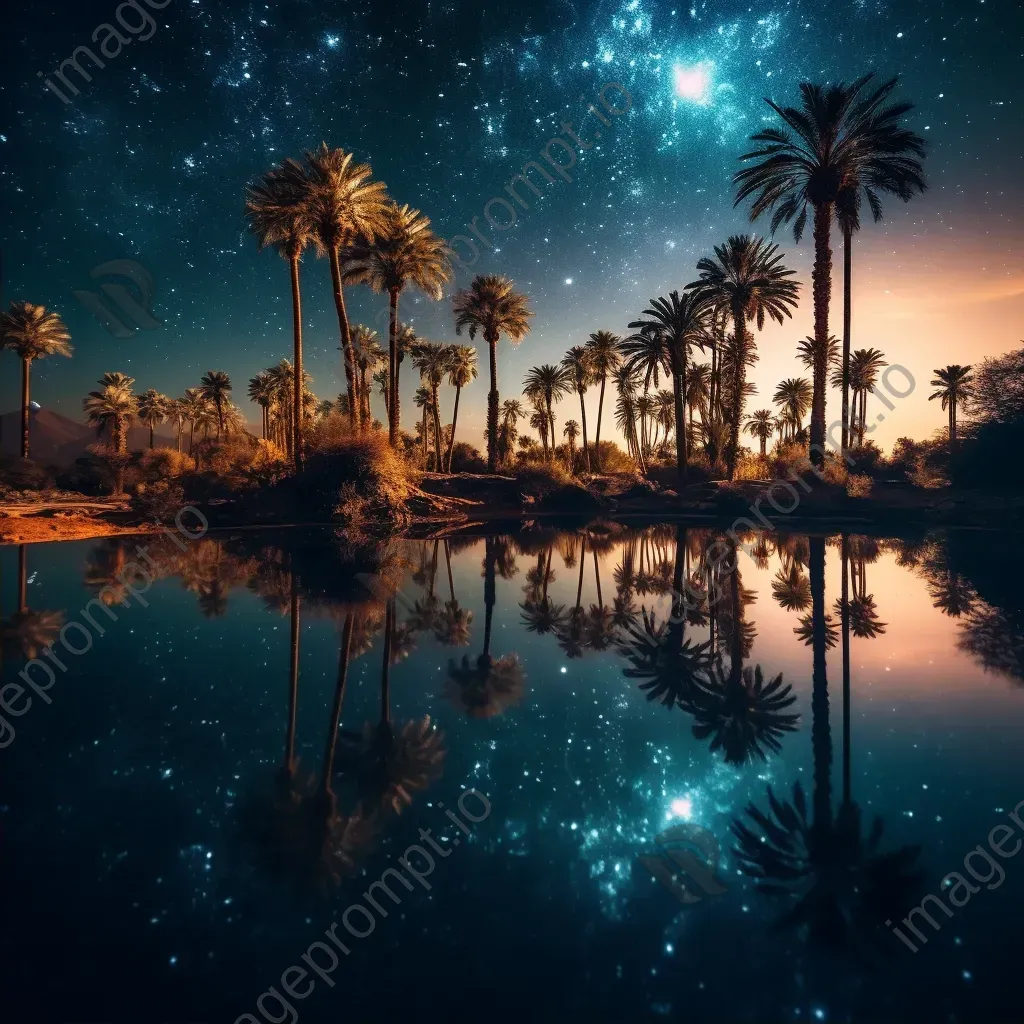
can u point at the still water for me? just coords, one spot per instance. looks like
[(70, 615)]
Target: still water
[(705, 776)]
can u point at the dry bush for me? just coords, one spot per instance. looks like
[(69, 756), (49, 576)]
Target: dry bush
[(358, 478), (165, 464), (25, 475), (611, 458), (240, 460), (158, 502), (753, 467), (858, 485)]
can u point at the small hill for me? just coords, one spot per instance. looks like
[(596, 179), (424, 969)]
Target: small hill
[(58, 440)]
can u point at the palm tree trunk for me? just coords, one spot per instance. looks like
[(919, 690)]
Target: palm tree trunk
[(451, 440), (293, 675), (740, 328), (424, 438), (393, 403), (492, 406), (25, 364), (679, 389), (597, 580), (551, 427), (437, 429), (847, 314), (821, 737), (490, 592), (22, 577), (597, 432), (448, 565), (952, 425), (385, 674), (346, 342), (846, 667), (583, 562), (344, 655), (151, 429), (821, 277), (297, 386), (583, 419), (180, 426), (764, 441)]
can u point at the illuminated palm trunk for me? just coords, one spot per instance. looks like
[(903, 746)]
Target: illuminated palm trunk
[(821, 277)]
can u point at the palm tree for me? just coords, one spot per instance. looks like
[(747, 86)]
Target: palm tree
[(793, 397), (432, 362), (604, 355), (423, 399), (865, 365), (461, 371), (844, 139), (806, 352), (761, 425), (113, 409), (548, 383), (153, 409), (405, 251), (31, 333), (492, 306), (953, 386), (682, 323), (698, 392), (512, 412), (577, 363), (346, 210), (747, 277), (368, 356), (215, 386), (626, 383), (570, 432), (261, 392), (279, 214)]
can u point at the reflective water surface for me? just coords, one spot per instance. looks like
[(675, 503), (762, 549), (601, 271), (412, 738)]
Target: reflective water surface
[(714, 777)]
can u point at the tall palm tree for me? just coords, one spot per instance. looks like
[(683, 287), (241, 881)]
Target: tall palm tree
[(793, 397), (953, 386), (261, 392), (31, 333), (761, 425), (492, 306), (113, 409), (806, 349), (844, 138), (432, 361), (345, 209), (153, 409), (549, 383), (279, 214), (682, 323), (746, 276), (215, 386), (462, 371), (578, 364), (698, 393), (422, 399), (605, 357), (403, 251)]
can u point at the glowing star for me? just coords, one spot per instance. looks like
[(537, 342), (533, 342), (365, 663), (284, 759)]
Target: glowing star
[(682, 807), (693, 83)]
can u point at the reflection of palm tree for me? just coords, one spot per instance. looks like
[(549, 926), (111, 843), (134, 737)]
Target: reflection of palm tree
[(391, 764), (741, 713), (840, 887), (27, 633), (864, 619), (540, 615), (452, 628), (791, 589)]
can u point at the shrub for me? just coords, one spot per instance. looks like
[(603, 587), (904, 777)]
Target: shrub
[(858, 485), (358, 477), (467, 459), (158, 502), (611, 458), (25, 475), (753, 467), (87, 475), (165, 464)]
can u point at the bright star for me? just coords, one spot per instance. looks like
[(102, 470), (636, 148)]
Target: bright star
[(693, 83)]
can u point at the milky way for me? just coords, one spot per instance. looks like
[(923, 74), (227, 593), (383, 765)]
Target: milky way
[(447, 101)]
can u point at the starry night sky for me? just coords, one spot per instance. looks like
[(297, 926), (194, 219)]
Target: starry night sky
[(447, 101)]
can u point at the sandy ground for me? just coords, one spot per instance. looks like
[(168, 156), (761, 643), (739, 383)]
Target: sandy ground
[(64, 519)]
